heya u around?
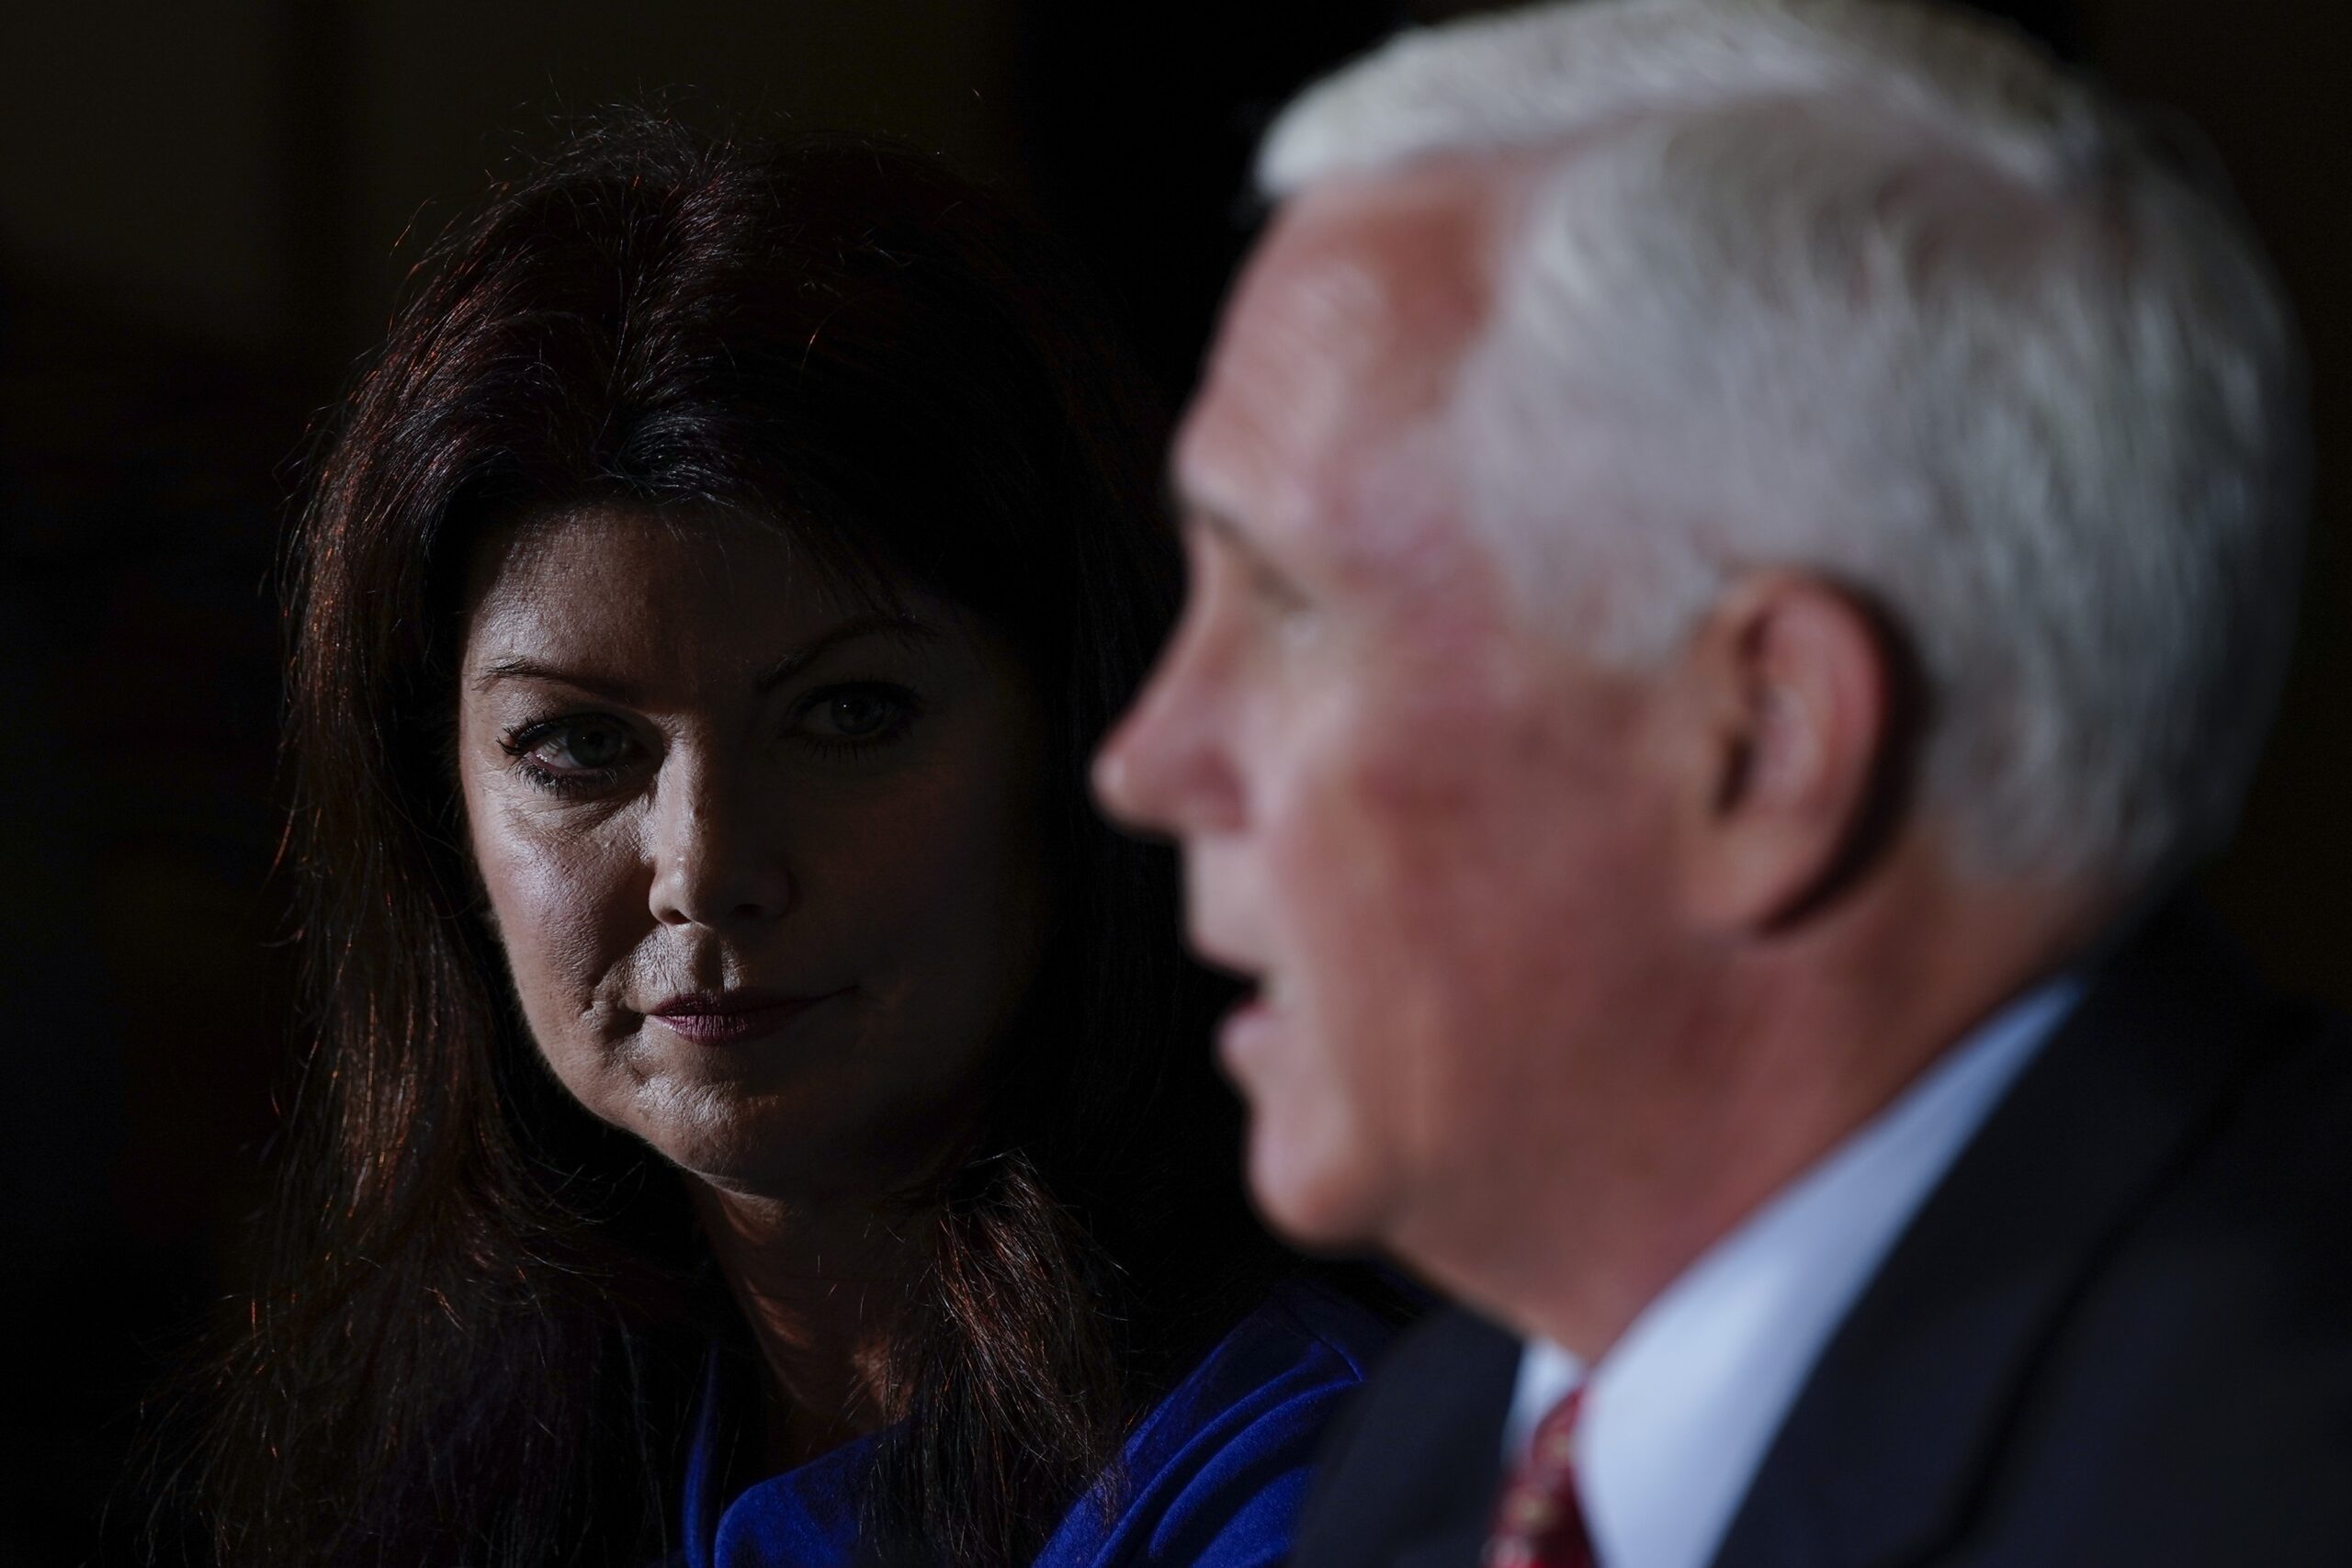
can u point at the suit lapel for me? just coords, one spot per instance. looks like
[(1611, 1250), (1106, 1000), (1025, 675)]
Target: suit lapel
[(1884, 1451), (1465, 1404), (1419, 1460), (1458, 1545)]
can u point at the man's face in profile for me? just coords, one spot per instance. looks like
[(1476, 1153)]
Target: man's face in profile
[(1430, 836)]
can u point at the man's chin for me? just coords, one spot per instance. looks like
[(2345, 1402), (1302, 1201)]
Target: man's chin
[(1318, 1200)]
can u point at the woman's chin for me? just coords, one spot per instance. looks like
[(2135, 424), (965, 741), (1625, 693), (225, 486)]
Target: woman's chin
[(749, 1150), (766, 1153), (752, 1174)]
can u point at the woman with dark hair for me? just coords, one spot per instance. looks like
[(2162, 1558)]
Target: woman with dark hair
[(759, 1115)]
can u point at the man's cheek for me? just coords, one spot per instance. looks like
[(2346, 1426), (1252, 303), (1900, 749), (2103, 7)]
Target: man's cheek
[(1385, 842)]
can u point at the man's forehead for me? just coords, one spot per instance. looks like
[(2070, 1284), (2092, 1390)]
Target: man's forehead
[(1387, 278), (1351, 320), (1418, 236)]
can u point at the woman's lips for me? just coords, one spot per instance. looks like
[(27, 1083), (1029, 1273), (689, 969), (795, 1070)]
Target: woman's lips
[(728, 1018)]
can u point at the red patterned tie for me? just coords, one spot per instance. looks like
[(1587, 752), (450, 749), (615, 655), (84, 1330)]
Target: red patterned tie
[(1538, 1523)]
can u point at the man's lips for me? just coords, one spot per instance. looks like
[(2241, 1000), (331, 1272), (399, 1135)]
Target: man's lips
[(1228, 957), (1248, 1032), (725, 1018)]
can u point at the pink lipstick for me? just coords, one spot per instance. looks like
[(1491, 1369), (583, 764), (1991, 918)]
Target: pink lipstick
[(728, 1018)]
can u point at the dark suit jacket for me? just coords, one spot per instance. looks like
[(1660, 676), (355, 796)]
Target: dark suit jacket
[(2120, 1331)]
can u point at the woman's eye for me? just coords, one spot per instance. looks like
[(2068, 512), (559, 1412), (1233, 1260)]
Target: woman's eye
[(594, 745), (869, 713), (575, 746), (858, 712)]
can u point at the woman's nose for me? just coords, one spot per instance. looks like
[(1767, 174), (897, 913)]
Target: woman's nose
[(718, 852)]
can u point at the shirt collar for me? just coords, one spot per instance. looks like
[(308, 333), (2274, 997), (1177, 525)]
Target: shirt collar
[(1678, 1413)]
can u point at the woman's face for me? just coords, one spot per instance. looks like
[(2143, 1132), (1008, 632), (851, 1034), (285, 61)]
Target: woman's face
[(765, 865)]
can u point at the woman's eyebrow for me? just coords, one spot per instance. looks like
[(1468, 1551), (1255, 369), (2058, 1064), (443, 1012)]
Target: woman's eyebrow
[(611, 691), (898, 627)]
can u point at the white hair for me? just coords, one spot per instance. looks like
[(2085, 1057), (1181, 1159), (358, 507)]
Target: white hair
[(1873, 291)]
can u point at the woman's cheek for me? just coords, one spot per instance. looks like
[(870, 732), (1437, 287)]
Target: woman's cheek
[(564, 916)]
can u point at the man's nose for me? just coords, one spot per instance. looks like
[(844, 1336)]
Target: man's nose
[(718, 851), (1169, 766)]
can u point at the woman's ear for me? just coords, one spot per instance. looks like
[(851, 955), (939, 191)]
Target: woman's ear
[(1789, 688)]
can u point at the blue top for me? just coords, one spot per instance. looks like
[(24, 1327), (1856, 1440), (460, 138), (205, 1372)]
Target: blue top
[(1214, 1474)]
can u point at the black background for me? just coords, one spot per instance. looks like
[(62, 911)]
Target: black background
[(205, 207)]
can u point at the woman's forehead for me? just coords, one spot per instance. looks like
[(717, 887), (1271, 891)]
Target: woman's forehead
[(623, 553), (616, 585)]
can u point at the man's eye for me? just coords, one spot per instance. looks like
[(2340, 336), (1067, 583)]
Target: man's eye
[(1274, 591)]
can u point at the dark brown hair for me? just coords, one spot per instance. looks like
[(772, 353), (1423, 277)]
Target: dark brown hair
[(487, 1313)]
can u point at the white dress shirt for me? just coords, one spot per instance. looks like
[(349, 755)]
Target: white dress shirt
[(1679, 1413)]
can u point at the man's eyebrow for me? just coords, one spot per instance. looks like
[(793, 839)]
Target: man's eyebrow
[(1175, 501), (898, 627), (1191, 511)]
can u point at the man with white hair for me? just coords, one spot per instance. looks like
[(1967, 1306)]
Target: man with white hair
[(1740, 550)]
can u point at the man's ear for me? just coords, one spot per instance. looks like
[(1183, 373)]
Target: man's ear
[(1789, 688)]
